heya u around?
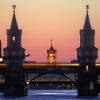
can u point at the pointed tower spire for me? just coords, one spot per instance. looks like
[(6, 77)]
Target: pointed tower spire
[(51, 48), (51, 43), (14, 25), (87, 24)]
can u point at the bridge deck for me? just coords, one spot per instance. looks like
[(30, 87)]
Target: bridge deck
[(27, 65), (50, 65)]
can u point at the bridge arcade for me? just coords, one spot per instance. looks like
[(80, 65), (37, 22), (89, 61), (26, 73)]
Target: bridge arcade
[(14, 55)]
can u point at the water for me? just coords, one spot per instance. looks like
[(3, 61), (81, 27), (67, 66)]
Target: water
[(51, 95)]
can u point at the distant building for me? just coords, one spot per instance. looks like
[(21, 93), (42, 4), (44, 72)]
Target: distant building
[(51, 54)]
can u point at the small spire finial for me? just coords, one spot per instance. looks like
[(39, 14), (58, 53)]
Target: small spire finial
[(87, 8), (51, 42), (14, 6)]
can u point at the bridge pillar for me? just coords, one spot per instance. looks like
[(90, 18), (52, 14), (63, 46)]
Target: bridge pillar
[(14, 79), (87, 82)]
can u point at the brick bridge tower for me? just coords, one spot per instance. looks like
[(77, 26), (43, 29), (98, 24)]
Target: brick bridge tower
[(13, 57), (87, 53)]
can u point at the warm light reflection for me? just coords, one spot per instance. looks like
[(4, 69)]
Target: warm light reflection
[(27, 82)]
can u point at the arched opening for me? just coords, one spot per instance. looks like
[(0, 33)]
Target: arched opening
[(98, 79), (2, 79), (51, 76), (50, 81)]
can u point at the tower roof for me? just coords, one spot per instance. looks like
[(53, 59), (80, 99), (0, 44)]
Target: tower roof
[(87, 24), (14, 25)]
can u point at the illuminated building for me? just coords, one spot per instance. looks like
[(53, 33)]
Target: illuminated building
[(51, 54)]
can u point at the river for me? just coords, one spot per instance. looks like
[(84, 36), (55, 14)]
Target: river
[(51, 95)]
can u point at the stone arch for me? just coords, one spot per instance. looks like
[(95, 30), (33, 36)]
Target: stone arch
[(51, 74)]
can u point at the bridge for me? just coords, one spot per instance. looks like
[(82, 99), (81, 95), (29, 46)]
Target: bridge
[(50, 68), (14, 68)]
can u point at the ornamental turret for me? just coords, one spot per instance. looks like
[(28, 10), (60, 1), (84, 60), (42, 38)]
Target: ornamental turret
[(87, 51), (14, 51)]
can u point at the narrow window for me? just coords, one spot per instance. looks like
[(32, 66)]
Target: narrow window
[(51, 55), (13, 38), (87, 68)]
